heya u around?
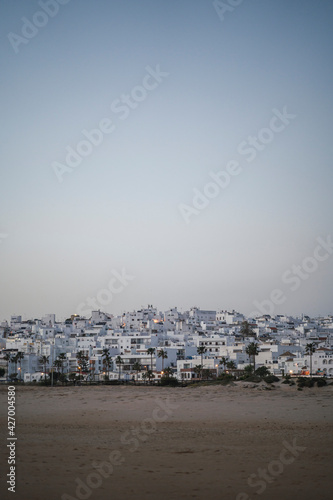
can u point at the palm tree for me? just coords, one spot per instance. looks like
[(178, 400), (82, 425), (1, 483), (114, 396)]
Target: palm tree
[(150, 375), (107, 360), (223, 362), (168, 372), (201, 351), (198, 369), (62, 357), (310, 349), (162, 354), (246, 329), (7, 357), (82, 362), (18, 358), (252, 351), (151, 352), (58, 364), (92, 370), (231, 365), (44, 361), (119, 362), (137, 366)]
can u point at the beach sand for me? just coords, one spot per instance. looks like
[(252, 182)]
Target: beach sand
[(170, 443)]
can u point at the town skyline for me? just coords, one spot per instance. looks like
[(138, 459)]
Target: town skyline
[(181, 344)]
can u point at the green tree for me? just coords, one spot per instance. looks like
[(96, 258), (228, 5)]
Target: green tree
[(137, 367), (168, 372), (62, 357), (151, 352), (262, 371), (7, 357), (231, 365), (44, 361), (107, 361), (198, 370), (18, 359), (119, 362), (150, 375), (309, 350), (201, 351), (252, 351), (82, 363), (162, 354), (58, 364), (246, 330), (248, 369), (73, 377), (223, 362)]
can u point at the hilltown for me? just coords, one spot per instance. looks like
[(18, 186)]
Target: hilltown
[(147, 345)]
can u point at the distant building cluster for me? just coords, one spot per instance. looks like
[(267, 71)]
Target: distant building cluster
[(147, 344)]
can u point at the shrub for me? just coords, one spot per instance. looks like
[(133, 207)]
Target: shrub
[(270, 379), (262, 371), (321, 382), (248, 369), (225, 376), (172, 381), (252, 378), (287, 379), (305, 382)]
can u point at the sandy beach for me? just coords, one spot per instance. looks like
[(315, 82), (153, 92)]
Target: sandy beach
[(214, 442)]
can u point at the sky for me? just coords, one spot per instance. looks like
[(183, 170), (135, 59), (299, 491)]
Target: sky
[(174, 153)]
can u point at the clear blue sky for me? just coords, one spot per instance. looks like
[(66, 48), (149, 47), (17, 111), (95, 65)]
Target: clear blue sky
[(119, 208)]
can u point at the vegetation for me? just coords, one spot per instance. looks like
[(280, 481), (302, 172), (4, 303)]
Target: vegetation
[(270, 379), (246, 330), (225, 378), (310, 349), (82, 363), (167, 380), (119, 362), (321, 382), (288, 380), (231, 365), (206, 374), (162, 354), (151, 352), (223, 362), (198, 370), (310, 382), (62, 358), (252, 351), (201, 351), (107, 361), (18, 359), (137, 367), (262, 371), (44, 361), (150, 375), (7, 357)]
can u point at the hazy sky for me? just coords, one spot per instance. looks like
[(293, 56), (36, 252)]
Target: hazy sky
[(180, 92)]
